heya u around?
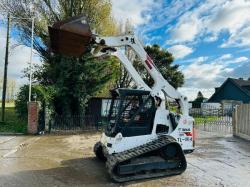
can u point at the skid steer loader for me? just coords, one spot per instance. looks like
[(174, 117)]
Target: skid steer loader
[(143, 138)]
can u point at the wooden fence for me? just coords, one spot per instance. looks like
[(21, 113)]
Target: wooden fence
[(241, 121)]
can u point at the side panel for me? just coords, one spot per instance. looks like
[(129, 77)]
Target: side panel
[(161, 117), (184, 133), (119, 143)]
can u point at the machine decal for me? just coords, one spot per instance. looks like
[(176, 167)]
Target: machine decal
[(149, 62), (188, 133), (186, 129), (184, 139), (185, 134), (179, 140)]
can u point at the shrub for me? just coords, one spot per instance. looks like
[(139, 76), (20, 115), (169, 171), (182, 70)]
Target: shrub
[(42, 94)]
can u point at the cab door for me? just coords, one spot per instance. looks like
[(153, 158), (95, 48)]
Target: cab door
[(138, 116)]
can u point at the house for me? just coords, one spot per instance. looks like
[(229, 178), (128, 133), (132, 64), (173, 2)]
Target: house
[(232, 92)]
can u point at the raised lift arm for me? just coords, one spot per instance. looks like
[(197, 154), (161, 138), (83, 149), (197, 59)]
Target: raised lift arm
[(73, 37), (128, 66), (161, 86)]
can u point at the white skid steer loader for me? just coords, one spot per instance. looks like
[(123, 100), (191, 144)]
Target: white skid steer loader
[(143, 138)]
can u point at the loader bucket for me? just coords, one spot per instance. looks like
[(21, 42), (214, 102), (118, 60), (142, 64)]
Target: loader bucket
[(70, 37)]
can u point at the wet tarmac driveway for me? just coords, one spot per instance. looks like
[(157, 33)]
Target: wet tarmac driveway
[(69, 161)]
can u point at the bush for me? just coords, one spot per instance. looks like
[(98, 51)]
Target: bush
[(42, 94)]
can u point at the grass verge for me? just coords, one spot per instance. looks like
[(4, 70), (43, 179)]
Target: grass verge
[(206, 119), (12, 123)]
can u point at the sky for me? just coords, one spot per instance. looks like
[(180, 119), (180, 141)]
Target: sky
[(19, 56), (209, 39)]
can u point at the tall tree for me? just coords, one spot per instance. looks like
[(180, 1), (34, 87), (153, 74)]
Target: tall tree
[(200, 98), (47, 12), (73, 79), (200, 95), (164, 62)]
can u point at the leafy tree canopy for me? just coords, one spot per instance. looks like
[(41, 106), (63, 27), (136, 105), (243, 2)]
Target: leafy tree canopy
[(73, 80), (42, 94), (164, 62), (47, 12)]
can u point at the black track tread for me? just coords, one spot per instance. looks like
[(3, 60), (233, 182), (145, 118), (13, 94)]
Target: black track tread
[(115, 159)]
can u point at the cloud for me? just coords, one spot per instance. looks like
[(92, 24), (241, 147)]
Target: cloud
[(186, 29), (239, 39), (180, 51), (207, 73), (180, 24), (210, 18), (241, 59), (202, 75), (231, 16), (210, 38), (243, 70), (191, 93), (188, 21), (167, 11), (134, 10), (226, 56), (228, 59)]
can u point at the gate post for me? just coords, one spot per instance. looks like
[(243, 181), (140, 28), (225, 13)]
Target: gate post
[(33, 111), (234, 120)]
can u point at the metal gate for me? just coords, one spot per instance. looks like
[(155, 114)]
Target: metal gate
[(91, 120), (213, 119), (207, 118), (76, 124)]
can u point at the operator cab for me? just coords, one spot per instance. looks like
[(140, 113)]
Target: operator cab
[(131, 113)]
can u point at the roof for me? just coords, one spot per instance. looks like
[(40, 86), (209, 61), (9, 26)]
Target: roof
[(243, 85)]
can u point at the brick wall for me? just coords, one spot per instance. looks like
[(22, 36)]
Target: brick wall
[(33, 109)]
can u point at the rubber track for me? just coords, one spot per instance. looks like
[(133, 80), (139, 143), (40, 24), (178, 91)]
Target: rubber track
[(115, 159)]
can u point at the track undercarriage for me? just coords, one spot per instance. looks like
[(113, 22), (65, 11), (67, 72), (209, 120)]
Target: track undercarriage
[(161, 157)]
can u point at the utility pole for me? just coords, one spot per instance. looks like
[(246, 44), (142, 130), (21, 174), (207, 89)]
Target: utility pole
[(31, 57), (5, 69)]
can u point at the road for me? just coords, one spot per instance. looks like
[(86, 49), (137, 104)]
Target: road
[(69, 161)]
